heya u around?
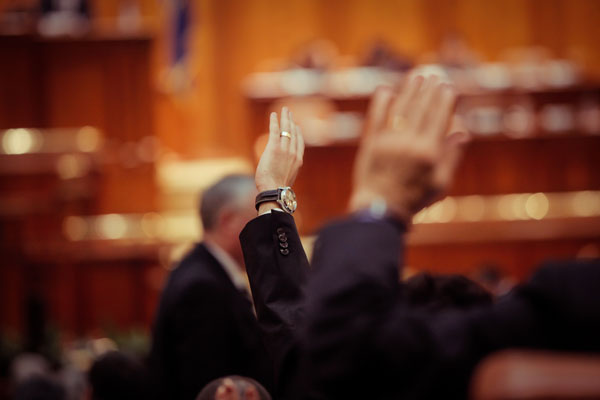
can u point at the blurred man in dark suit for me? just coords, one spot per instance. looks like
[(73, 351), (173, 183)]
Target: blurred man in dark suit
[(205, 327)]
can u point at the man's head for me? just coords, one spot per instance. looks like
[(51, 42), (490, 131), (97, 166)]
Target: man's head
[(225, 208), (234, 388), (115, 376)]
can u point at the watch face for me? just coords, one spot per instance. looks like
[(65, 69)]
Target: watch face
[(288, 200)]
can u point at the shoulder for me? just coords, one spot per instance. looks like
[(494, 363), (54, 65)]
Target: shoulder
[(196, 273)]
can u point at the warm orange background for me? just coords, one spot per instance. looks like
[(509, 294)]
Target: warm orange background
[(105, 83), (232, 38)]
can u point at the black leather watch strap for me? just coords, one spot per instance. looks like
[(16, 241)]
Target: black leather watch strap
[(266, 196)]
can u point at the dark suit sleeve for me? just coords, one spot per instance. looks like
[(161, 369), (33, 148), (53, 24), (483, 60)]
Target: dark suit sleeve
[(277, 268), (354, 281), (363, 341), (202, 327)]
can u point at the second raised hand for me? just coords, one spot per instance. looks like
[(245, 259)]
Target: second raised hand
[(406, 157)]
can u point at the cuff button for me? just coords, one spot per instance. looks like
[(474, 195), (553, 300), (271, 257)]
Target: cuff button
[(285, 252)]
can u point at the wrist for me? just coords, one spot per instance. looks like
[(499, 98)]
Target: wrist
[(267, 206), (263, 187), (378, 205)]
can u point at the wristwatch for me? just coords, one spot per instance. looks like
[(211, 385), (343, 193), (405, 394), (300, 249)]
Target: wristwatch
[(284, 196)]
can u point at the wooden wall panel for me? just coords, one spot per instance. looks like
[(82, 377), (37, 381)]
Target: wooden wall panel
[(102, 82), (231, 38), (19, 83)]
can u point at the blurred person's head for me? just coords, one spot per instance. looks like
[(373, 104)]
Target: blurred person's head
[(116, 376), (445, 292), (32, 379), (234, 388), (491, 277), (27, 365), (39, 387), (225, 208), (74, 381)]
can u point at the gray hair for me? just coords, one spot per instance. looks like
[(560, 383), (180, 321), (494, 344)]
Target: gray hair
[(227, 192)]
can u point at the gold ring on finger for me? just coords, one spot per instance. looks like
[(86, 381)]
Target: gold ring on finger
[(286, 134)]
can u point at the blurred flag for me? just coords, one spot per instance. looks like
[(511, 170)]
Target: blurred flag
[(178, 77), (181, 27)]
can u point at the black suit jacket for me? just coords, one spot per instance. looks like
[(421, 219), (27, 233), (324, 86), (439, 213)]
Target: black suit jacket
[(204, 329), (362, 341), (277, 268), (348, 333)]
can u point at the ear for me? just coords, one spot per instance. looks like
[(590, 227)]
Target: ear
[(226, 217)]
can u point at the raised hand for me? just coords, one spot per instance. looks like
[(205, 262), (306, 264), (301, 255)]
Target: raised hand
[(407, 158), (280, 162)]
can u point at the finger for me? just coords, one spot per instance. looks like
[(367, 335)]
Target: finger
[(285, 127), (273, 129), (452, 153), (300, 148), (457, 125), (420, 108), (299, 155), (293, 141), (443, 103), (378, 109), (398, 108)]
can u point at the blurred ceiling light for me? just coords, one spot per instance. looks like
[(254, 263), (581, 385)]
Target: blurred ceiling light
[(429, 70), (181, 226), (442, 211), (152, 224), (111, 226), (471, 208), (88, 139), (560, 73), (505, 208), (484, 120), (519, 205), (537, 206), (301, 81), (148, 149), (449, 209), (557, 118), (70, 166), (518, 121), (589, 116), (512, 207), (75, 228), (493, 76), (420, 217), (586, 203), (20, 141)]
